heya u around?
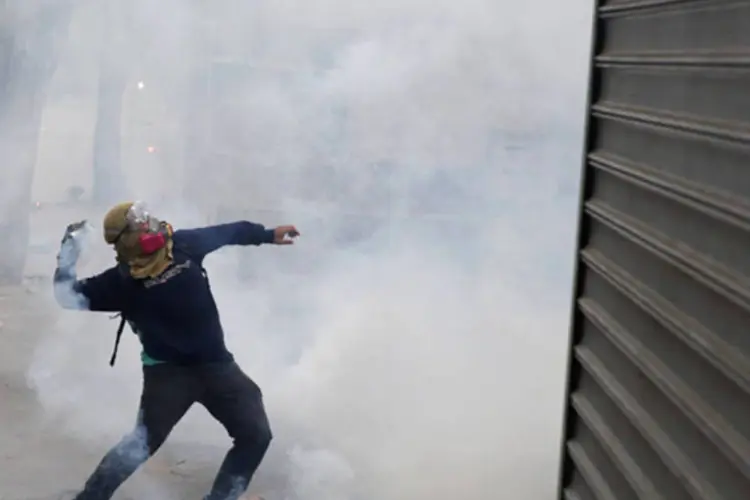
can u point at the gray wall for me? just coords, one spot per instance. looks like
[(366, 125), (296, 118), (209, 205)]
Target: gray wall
[(659, 382)]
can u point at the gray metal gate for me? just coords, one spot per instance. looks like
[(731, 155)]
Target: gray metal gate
[(659, 384)]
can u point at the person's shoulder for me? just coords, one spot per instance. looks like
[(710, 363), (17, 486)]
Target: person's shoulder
[(188, 242), (112, 276), (186, 235), (118, 270)]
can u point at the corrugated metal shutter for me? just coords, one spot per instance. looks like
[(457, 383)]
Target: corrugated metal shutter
[(659, 390)]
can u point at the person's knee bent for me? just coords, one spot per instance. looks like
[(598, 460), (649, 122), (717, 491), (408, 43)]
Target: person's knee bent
[(257, 438), (253, 431), (264, 438), (143, 441), (133, 449)]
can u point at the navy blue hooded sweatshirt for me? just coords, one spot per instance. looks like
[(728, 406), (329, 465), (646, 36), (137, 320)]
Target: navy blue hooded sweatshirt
[(174, 314)]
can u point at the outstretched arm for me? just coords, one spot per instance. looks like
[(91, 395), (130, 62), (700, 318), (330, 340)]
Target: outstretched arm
[(204, 240)]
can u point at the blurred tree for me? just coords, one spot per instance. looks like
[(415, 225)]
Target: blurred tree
[(31, 38), (114, 68)]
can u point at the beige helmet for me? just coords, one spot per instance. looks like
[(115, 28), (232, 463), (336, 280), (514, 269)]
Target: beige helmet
[(125, 236)]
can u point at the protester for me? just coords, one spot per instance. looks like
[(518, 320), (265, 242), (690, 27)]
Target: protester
[(161, 290)]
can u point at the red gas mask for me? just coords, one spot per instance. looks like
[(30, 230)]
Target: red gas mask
[(154, 233)]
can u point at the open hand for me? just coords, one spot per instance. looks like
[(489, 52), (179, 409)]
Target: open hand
[(70, 246), (284, 235)]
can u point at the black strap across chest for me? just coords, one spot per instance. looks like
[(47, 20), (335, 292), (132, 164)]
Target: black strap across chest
[(124, 319)]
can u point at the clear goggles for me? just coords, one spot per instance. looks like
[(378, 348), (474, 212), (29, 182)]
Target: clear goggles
[(140, 219)]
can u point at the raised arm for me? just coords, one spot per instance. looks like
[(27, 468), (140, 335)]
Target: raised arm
[(103, 292)]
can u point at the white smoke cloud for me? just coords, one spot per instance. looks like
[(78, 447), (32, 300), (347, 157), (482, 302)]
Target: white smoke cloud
[(424, 360)]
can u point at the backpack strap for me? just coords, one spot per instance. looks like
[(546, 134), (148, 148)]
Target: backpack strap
[(118, 337), (123, 319), (125, 274)]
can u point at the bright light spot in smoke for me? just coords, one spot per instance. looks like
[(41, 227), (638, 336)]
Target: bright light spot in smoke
[(150, 149), (141, 85)]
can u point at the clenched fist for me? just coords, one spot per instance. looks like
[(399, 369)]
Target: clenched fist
[(284, 235)]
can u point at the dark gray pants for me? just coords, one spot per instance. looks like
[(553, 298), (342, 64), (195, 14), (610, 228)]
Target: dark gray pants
[(168, 392)]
